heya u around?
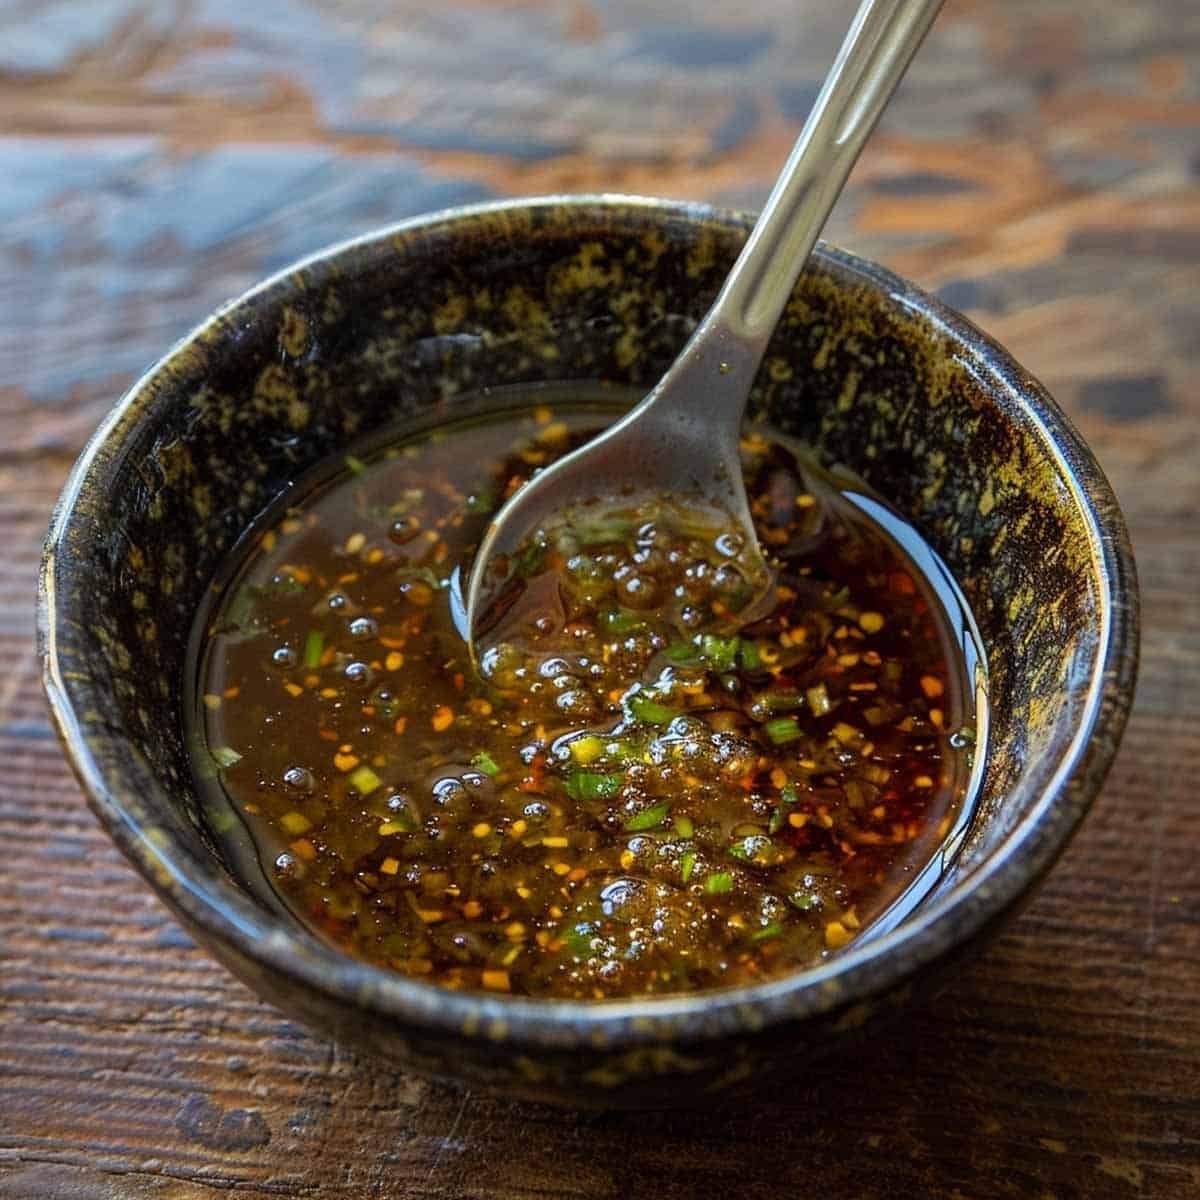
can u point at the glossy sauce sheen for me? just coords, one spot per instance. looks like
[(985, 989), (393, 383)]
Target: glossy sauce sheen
[(638, 792)]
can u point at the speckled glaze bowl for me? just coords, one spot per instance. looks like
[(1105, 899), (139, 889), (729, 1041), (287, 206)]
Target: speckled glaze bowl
[(875, 374)]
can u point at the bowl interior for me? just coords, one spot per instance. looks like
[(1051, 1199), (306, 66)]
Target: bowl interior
[(873, 375)]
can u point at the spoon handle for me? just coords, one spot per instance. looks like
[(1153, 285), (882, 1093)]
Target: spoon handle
[(876, 52), (733, 336)]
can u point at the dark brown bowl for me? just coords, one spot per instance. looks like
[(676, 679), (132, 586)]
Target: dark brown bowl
[(874, 373)]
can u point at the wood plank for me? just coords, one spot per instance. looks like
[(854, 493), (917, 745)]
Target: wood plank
[(1038, 169)]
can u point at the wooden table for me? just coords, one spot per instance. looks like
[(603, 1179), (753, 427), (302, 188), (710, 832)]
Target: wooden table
[(1040, 169)]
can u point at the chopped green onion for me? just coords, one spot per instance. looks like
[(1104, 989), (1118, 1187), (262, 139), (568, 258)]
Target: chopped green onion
[(687, 864), (400, 821), (719, 883), (356, 465), (746, 848), (364, 781), (648, 818), (749, 656), (721, 652), (484, 762), (529, 561), (601, 530), (776, 822), (757, 848), (767, 931), (682, 652), (579, 940), (623, 751), (835, 600), (643, 708), (804, 901), (314, 647), (618, 620), (684, 826), (782, 730), (482, 501), (591, 785), (242, 615), (788, 794), (777, 702), (738, 597), (818, 699), (225, 756)]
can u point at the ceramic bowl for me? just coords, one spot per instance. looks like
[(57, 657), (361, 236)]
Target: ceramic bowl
[(872, 372)]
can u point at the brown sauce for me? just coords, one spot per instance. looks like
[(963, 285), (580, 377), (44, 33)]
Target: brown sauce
[(654, 784)]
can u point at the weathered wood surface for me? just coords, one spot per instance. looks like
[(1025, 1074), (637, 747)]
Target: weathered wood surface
[(1041, 168)]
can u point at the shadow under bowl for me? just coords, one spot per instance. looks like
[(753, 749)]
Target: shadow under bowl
[(873, 373)]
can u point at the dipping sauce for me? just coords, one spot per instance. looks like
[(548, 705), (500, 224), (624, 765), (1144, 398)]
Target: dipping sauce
[(652, 781)]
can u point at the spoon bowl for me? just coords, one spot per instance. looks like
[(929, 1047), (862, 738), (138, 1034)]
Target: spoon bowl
[(682, 440)]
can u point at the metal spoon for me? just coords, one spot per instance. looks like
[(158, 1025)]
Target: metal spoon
[(682, 439)]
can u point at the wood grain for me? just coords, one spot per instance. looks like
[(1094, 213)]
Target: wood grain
[(1039, 169)]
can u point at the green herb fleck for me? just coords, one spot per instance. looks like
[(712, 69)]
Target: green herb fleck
[(529, 559), (314, 647), (399, 820), (687, 864), (721, 652), (738, 597), (750, 657), (225, 756), (482, 501), (757, 848), (578, 940), (484, 762), (767, 931), (591, 785), (644, 708), (648, 818), (782, 730), (683, 653), (619, 620)]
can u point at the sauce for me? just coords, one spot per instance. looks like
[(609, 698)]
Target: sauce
[(652, 780)]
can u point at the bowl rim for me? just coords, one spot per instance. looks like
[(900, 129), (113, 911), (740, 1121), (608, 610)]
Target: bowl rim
[(222, 913)]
